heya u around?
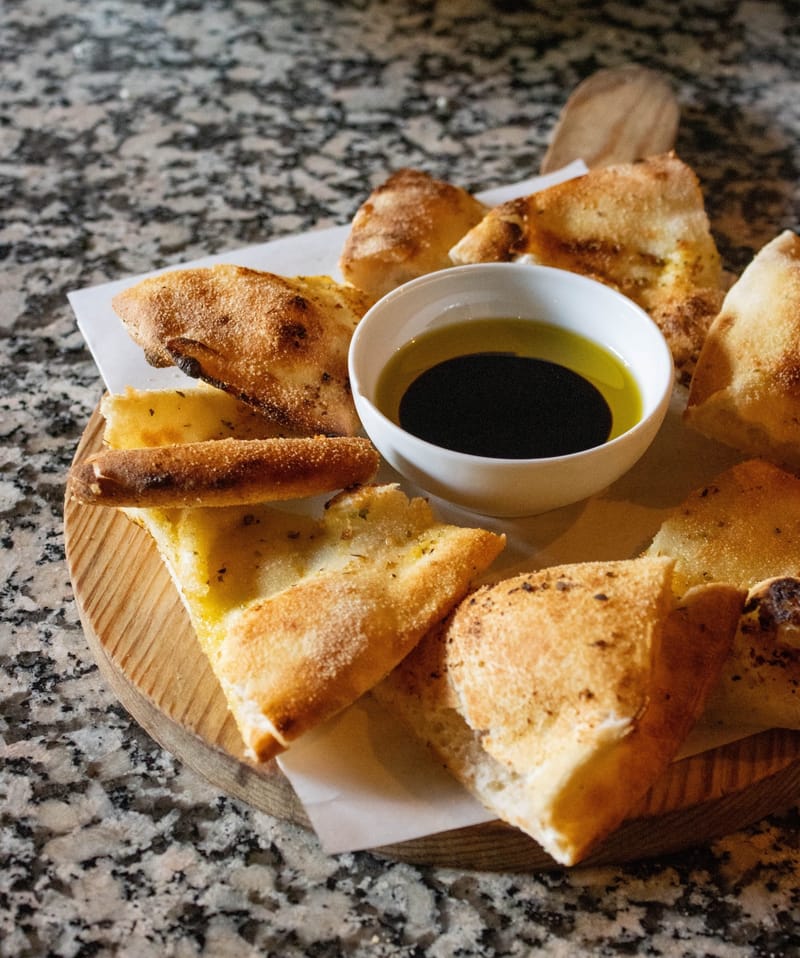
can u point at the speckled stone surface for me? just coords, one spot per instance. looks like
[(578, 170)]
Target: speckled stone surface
[(138, 135)]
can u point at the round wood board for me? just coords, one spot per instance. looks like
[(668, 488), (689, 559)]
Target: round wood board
[(145, 648)]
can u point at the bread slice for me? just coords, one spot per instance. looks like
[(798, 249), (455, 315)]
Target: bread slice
[(277, 343), (297, 613), (741, 528), (558, 697), (223, 472), (744, 529), (172, 448), (745, 390), (638, 227), (404, 229), (300, 615)]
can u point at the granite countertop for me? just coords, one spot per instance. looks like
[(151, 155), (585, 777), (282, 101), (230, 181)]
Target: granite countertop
[(139, 135)]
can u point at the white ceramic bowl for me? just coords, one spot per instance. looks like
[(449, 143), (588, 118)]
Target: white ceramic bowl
[(510, 487)]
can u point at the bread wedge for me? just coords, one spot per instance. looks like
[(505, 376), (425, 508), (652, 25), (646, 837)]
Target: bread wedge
[(172, 448), (743, 529), (745, 391), (146, 418), (405, 229), (277, 343), (300, 615), (558, 697), (223, 472)]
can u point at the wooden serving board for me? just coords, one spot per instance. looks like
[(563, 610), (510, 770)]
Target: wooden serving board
[(146, 650)]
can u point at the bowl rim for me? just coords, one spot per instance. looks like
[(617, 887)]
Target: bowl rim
[(643, 423)]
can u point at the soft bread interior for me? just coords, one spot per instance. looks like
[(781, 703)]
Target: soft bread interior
[(148, 418)]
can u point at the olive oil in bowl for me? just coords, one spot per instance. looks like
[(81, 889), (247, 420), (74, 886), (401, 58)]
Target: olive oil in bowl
[(509, 388)]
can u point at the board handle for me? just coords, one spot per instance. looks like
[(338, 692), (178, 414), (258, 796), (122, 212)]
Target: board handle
[(616, 115)]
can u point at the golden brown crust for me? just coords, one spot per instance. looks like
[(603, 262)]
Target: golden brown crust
[(222, 472), (745, 390), (685, 319), (686, 666), (404, 229), (638, 227), (743, 528), (598, 621), (277, 343)]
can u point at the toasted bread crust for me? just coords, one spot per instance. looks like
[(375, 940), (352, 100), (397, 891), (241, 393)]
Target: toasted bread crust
[(222, 472), (598, 620), (277, 343), (331, 637), (743, 528), (300, 615)]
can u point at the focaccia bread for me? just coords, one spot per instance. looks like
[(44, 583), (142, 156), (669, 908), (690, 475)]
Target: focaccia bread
[(558, 697), (404, 229), (759, 685), (743, 528), (299, 615), (223, 472), (277, 343), (639, 227), (745, 390)]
